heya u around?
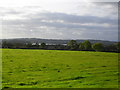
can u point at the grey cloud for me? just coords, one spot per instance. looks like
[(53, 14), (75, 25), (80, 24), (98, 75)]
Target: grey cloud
[(13, 12), (106, 3), (35, 23), (70, 21), (71, 27), (57, 33), (74, 18)]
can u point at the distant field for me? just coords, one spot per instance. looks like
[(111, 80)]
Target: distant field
[(59, 69)]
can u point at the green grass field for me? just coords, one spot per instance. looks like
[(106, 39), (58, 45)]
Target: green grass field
[(59, 69)]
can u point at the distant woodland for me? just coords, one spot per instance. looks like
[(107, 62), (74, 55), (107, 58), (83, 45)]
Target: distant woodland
[(84, 45)]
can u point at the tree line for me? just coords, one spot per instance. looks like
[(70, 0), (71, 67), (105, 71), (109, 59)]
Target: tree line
[(87, 46), (71, 45)]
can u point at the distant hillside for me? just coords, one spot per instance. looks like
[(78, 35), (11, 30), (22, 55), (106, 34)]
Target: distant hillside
[(53, 41)]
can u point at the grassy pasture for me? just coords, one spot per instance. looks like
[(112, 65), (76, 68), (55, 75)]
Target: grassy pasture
[(59, 69)]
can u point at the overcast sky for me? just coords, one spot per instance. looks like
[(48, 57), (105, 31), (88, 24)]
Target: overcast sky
[(59, 19)]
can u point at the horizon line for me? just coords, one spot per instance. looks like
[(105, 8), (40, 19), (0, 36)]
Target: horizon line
[(63, 39)]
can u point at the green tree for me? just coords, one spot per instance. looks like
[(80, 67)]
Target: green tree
[(72, 44), (81, 46), (118, 46), (43, 45), (112, 47), (5, 44), (29, 45), (87, 45), (36, 45), (98, 47)]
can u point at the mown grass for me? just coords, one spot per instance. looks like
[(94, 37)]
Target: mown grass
[(59, 69)]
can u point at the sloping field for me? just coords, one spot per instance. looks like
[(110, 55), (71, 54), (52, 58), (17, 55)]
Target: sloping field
[(59, 69)]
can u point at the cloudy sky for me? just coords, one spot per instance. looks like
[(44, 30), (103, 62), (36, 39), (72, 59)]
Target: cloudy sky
[(59, 19)]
